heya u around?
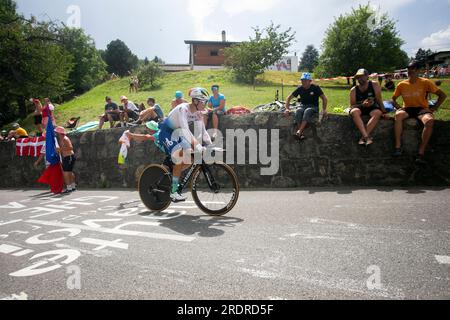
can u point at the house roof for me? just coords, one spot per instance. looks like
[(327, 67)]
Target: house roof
[(210, 42)]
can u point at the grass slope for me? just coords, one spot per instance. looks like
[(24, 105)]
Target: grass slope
[(91, 104)]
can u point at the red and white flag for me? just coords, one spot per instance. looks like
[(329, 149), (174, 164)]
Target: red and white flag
[(29, 147)]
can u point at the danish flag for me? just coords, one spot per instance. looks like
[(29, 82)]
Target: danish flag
[(29, 147)]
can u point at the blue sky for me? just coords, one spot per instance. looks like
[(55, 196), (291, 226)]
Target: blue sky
[(159, 27)]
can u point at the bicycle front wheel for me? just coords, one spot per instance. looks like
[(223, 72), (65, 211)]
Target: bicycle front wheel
[(154, 188), (215, 188)]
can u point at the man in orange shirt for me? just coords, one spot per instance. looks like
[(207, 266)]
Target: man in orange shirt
[(414, 92)]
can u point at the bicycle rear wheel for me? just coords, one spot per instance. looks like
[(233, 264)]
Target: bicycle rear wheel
[(154, 187), (215, 188)]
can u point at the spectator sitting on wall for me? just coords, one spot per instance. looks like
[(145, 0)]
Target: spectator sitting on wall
[(112, 113), (416, 106), (309, 97), (3, 136), (153, 113), (366, 100), (19, 132), (129, 111), (178, 99), (217, 105)]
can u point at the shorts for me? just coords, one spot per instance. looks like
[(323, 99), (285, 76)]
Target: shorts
[(414, 113), (133, 115), (366, 111), (68, 163), (215, 111), (38, 119), (169, 142), (114, 116)]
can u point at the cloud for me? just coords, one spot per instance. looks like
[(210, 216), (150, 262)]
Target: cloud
[(235, 7), (438, 41)]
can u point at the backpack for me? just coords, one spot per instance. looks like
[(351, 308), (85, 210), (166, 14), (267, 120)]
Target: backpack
[(238, 110)]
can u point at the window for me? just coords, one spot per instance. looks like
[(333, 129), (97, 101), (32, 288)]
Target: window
[(214, 53)]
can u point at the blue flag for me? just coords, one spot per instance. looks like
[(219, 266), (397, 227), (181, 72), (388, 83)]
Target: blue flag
[(50, 146)]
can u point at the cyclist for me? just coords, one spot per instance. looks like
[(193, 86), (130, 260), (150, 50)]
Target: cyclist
[(175, 138)]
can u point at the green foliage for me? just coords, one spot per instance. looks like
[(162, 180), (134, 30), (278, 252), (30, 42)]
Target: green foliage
[(310, 59), (250, 58), (119, 58), (32, 61), (422, 55), (356, 41), (89, 68), (150, 73)]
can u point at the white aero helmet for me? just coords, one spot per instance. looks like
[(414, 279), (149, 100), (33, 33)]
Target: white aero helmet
[(199, 93)]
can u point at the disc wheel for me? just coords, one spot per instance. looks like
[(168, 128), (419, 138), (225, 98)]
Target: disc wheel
[(154, 187)]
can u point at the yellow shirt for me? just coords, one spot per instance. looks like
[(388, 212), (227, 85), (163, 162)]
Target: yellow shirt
[(415, 94), (21, 132)]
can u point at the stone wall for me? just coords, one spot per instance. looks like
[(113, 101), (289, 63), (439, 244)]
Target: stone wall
[(330, 156)]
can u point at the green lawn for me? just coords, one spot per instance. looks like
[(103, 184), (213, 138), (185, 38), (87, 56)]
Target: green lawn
[(91, 104)]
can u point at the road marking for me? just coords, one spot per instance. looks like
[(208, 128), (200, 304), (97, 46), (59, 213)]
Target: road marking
[(443, 259), (21, 296), (7, 249), (12, 205), (22, 253), (115, 231), (9, 222)]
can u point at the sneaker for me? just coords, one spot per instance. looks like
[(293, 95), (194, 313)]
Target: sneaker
[(397, 152), (420, 159), (177, 197)]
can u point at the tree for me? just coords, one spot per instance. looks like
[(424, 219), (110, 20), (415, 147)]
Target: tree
[(150, 73), (356, 40), (310, 59), (422, 55), (119, 58), (250, 58), (89, 67), (32, 61)]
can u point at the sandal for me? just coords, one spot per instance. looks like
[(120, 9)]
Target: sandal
[(369, 141), (362, 141)]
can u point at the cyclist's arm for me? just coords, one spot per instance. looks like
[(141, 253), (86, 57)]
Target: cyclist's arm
[(187, 134), (205, 135)]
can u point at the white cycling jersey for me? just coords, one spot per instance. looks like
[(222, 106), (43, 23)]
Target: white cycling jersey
[(181, 116)]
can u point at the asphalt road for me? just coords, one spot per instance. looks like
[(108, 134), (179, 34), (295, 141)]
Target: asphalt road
[(302, 244)]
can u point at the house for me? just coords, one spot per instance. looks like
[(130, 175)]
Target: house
[(207, 55), (439, 58)]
